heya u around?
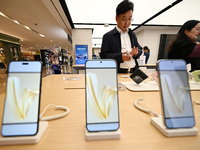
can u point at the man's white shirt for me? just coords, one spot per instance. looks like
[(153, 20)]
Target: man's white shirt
[(126, 47)]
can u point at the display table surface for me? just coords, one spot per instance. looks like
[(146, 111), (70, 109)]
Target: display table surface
[(76, 68), (137, 132), (149, 66)]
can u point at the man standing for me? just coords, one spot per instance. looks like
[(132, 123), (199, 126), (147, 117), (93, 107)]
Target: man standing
[(121, 43)]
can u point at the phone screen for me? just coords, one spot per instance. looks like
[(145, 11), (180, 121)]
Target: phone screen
[(102, 112), (22, 100), (175, 93)]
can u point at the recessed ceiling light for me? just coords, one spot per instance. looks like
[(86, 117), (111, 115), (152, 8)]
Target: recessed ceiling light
[(16, 21), (106, 25), (41, 35), (27, 27), (2, 14)]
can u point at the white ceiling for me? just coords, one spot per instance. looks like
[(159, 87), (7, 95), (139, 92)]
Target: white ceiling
[(104, 11), (48, 18)]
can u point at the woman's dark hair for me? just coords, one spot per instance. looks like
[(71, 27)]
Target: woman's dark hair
[(123, 7), (146, 48), (189, 25)]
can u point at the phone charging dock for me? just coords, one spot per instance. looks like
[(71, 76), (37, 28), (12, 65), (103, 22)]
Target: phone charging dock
[(43, 125), (103, 135), (158, 123)]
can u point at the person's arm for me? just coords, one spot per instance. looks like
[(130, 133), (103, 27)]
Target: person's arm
[(196, 51), (108, 51)]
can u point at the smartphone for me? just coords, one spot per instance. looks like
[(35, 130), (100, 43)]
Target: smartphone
[(175, 94), (102, 108), (22, 99)]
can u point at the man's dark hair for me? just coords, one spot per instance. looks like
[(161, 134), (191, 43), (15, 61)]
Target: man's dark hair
[(123, 7)]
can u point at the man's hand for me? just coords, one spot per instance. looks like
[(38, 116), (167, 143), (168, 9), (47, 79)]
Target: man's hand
[(134, 51), (126, 56)]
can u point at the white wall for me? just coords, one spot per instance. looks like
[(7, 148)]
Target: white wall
[(150, 36), (82, 37)]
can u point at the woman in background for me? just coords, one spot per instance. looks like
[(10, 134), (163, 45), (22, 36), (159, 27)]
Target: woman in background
[(185, 45), (146, 51)]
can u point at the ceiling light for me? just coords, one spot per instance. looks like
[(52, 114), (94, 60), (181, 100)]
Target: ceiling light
[(106, 25), (16, 21), (27, 27), (2, 14), (41, 35)]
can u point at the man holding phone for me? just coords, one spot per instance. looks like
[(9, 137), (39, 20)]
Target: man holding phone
[(121, 43)]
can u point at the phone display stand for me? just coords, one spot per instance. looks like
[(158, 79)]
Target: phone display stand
[(196, 75), (43, 125), (103, 135), (138, 76), (158, 123)]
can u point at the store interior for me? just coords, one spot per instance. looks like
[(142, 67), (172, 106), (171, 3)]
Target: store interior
[(63, 35), (38, 25)]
